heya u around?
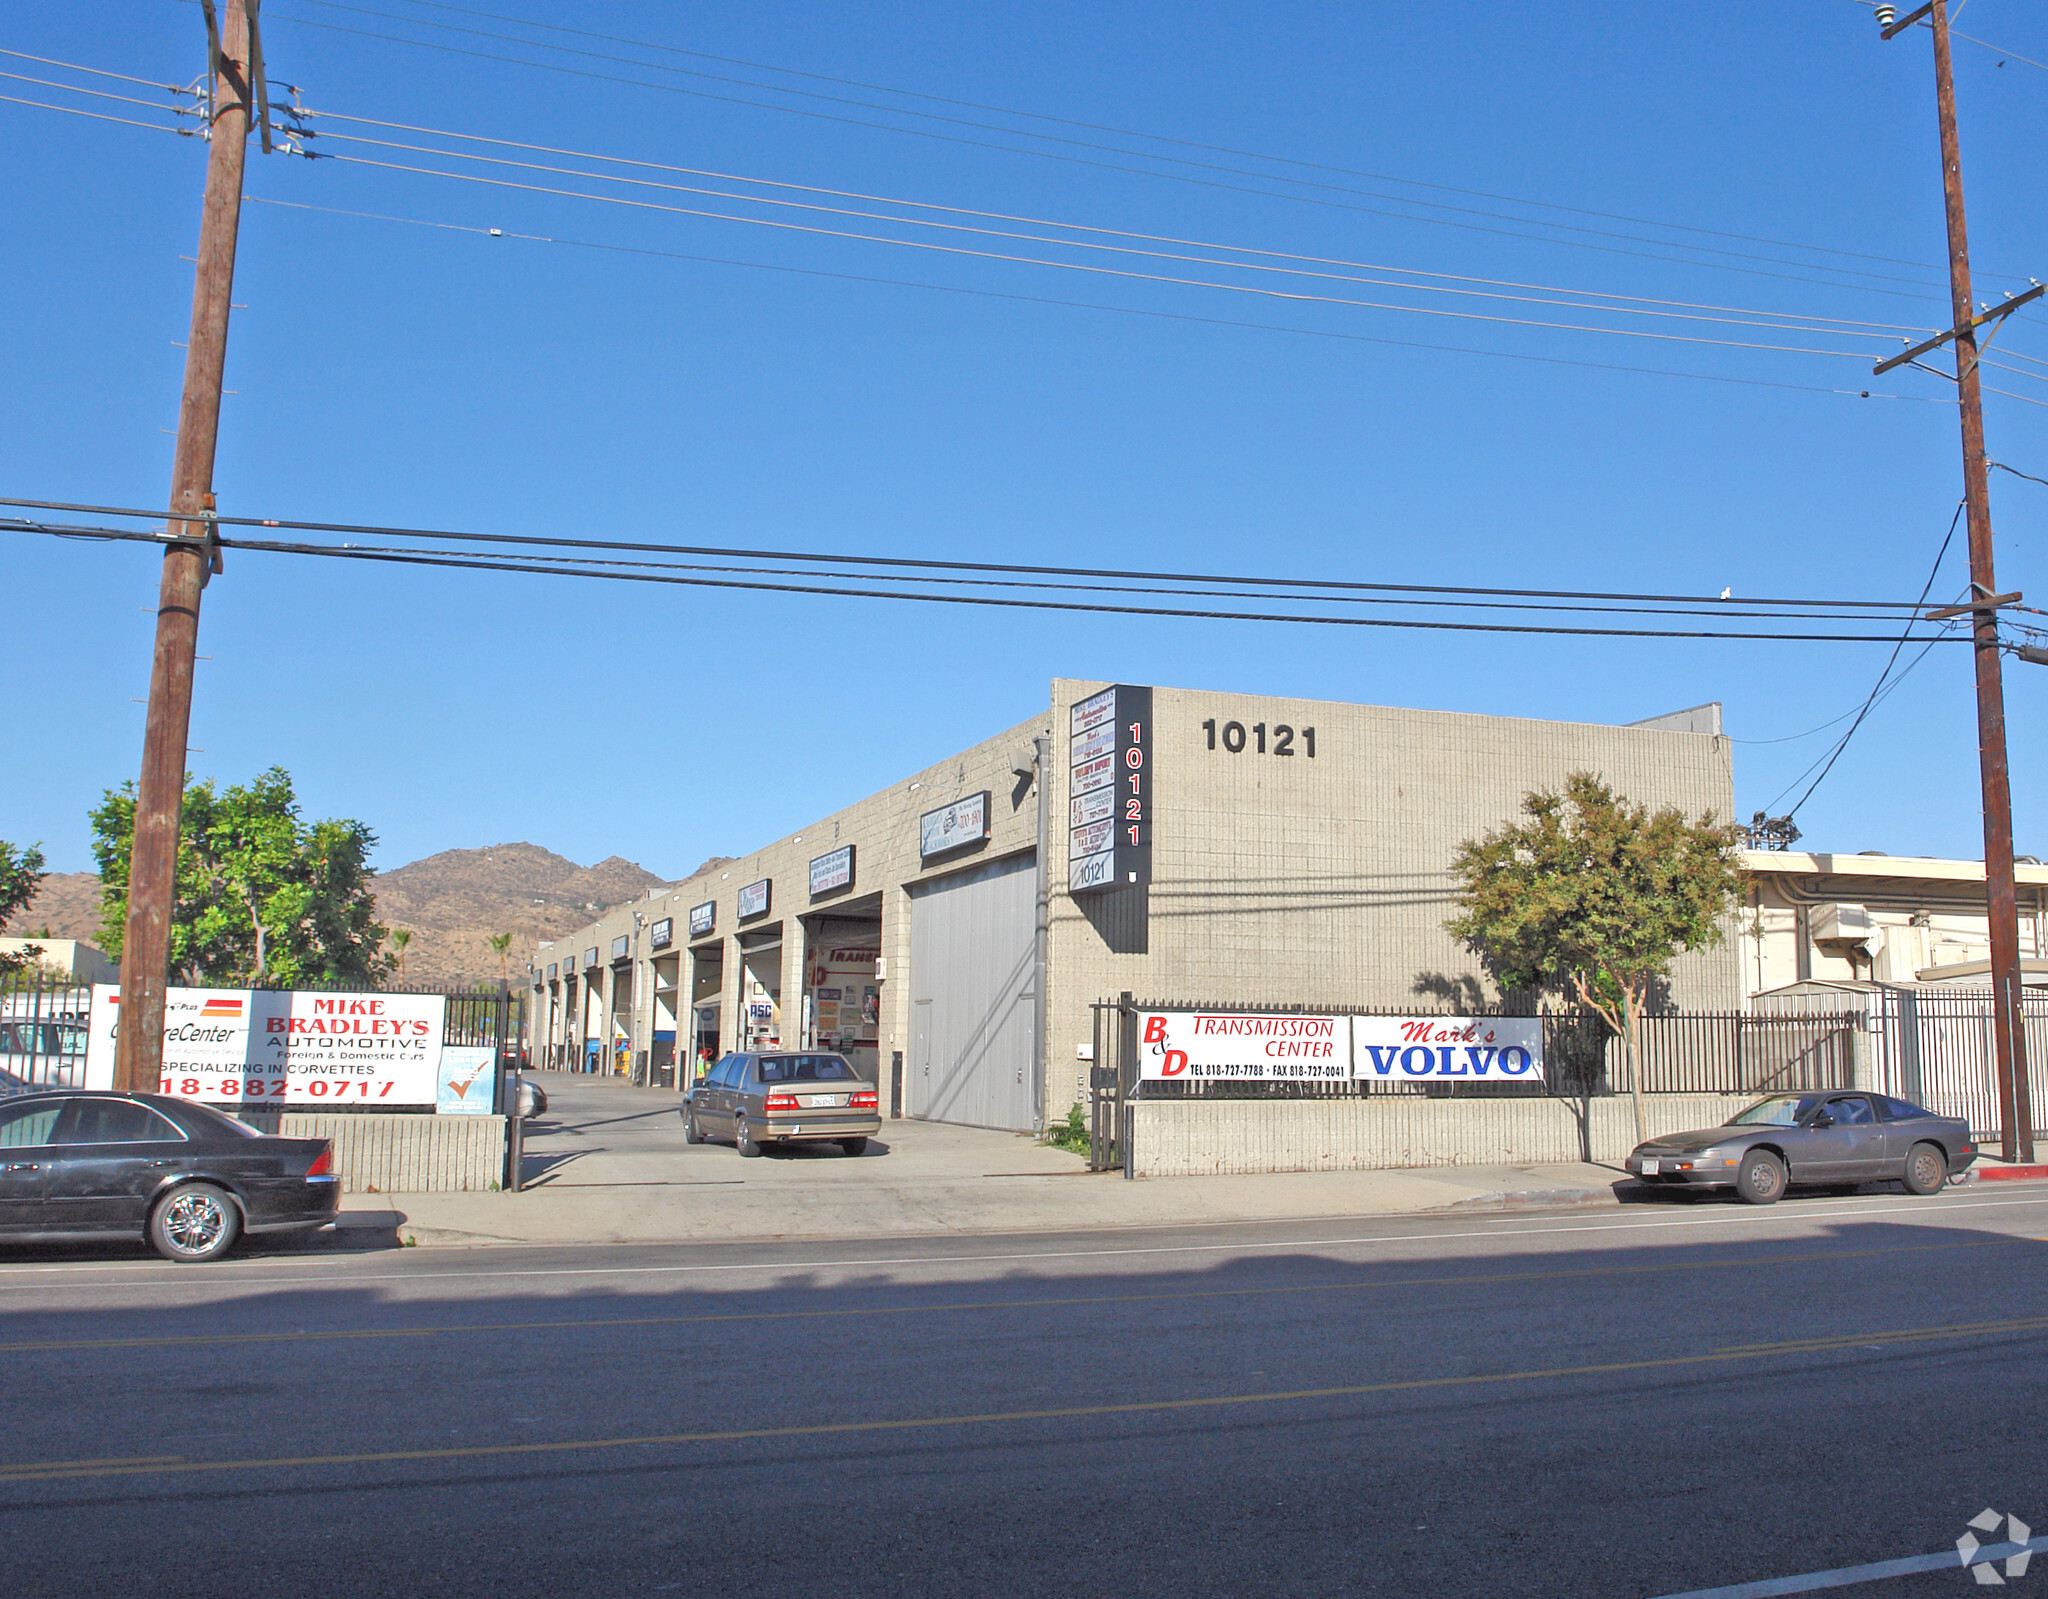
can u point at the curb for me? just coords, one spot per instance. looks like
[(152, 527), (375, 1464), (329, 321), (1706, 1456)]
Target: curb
[(1517, 1199), (2010, 1174)]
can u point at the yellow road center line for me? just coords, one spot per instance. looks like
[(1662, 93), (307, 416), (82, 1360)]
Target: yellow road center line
[(344, 1334), (56, 1471)]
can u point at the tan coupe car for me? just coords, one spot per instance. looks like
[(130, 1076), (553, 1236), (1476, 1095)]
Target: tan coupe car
[(795, 1097)]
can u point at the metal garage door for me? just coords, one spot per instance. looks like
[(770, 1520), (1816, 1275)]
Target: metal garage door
[(972, 1056)]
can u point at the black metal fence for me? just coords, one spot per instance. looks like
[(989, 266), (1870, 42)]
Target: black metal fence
[(1707, 1053), (44, 1023), (1939, 1049), (42, 1032)]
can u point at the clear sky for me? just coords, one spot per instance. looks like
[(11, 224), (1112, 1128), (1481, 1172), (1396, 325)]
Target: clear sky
[(388, 372)]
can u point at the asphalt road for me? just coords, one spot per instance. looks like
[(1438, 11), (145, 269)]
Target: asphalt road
[(1636, 1403)]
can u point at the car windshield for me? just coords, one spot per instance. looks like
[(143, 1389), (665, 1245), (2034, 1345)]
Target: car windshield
[(1780, 1110), (805, 1069)]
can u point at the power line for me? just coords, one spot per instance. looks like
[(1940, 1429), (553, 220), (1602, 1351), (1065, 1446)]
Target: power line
[(98, 72), (1878, 689), (1132, 133), (1171, 316), (98, 94), (1171, 176), (1116, 310), (2016, 472), (341, 5), (613, 546), (1642, 305), (102, 116), (1077, 266), (499, 564)]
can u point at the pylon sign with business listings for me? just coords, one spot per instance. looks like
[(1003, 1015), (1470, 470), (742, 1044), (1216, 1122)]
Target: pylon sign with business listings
[(1109, 790)]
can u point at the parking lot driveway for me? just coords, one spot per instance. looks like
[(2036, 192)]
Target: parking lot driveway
[(600, 1132)]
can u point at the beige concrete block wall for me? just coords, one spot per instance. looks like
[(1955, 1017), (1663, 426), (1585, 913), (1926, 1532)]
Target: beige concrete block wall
[(1276, 879), (1325, 880), (402, 1154), (883, 828), (1217, 1137)]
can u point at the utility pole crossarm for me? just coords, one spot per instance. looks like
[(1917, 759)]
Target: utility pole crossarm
[(1894, 29), (1995, 314), (1989, 602)]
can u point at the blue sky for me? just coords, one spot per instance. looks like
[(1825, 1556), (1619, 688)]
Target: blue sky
[(386, 372)]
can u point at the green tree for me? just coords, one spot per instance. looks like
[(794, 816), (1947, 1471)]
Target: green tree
[(501, 943), (400, 937), (1594, 897), (263, 897), (21, 872)]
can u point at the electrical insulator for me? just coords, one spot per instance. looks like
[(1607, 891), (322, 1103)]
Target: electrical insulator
[(1887, 15)]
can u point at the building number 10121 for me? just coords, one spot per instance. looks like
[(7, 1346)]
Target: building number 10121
[(1235, 738)]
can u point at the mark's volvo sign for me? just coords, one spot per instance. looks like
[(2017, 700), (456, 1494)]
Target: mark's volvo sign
[(1222, 1046), (1109, 790)]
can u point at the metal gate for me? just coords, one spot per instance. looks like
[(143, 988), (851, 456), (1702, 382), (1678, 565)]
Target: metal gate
[(1939, 1050), (1112, 1077)]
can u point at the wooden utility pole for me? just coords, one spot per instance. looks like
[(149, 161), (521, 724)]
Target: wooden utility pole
[(2015, 1100), (153, 859)]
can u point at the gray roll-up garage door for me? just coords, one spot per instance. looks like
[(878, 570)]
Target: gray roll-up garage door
[(972, 1055)]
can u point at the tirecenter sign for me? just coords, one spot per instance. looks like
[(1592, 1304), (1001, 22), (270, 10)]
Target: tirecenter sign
[(1225, 1046), (238, 1046)]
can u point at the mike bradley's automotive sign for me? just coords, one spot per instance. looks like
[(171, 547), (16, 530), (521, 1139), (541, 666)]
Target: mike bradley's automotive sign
[(1218, 1046), (242, 1046)]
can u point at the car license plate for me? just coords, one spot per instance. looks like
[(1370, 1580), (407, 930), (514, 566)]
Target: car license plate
[(815, 1100), (1649, 1168)]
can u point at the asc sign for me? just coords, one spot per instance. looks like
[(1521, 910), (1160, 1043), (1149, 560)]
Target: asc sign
[(1223, 1046)]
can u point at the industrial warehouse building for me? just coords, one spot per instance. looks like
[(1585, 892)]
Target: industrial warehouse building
[(1219, 849)]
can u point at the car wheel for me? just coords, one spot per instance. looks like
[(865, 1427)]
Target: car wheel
[(1926, 1169), (742, 1139), (194, 1224), (854, 1146), (692, 1134), (1760, 1179)]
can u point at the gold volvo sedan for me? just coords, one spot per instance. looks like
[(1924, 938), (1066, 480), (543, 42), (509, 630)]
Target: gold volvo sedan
[(793, 1097)]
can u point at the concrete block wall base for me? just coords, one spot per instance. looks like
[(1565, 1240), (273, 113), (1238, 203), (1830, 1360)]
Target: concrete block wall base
[(1215, 1137), (401, 1154)]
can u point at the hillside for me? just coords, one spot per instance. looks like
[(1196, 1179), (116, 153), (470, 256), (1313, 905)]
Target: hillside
[(451, 903), (67, 903)]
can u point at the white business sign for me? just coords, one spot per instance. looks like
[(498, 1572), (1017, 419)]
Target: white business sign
[(1489, 1049), (238, 1046), (1226, 1046), (1220, 1046), (753, 899), (953, 826), (834, 869)]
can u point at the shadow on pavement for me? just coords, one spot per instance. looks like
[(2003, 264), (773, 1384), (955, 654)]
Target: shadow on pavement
[(1187, 1417)]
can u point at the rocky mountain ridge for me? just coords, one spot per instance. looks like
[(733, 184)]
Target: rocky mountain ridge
[(451, 903)]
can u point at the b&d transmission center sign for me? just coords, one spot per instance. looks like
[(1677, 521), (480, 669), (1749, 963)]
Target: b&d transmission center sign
[(242, 1046), (1221, 1046)]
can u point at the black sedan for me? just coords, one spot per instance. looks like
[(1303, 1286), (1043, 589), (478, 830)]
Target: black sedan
[(184, 1176), (1825, 1138)]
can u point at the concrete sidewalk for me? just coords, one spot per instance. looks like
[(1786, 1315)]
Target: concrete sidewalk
[(608, 1165)]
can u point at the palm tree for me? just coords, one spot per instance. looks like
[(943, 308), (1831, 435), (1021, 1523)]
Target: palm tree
[(500, 943), (399, 939)]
